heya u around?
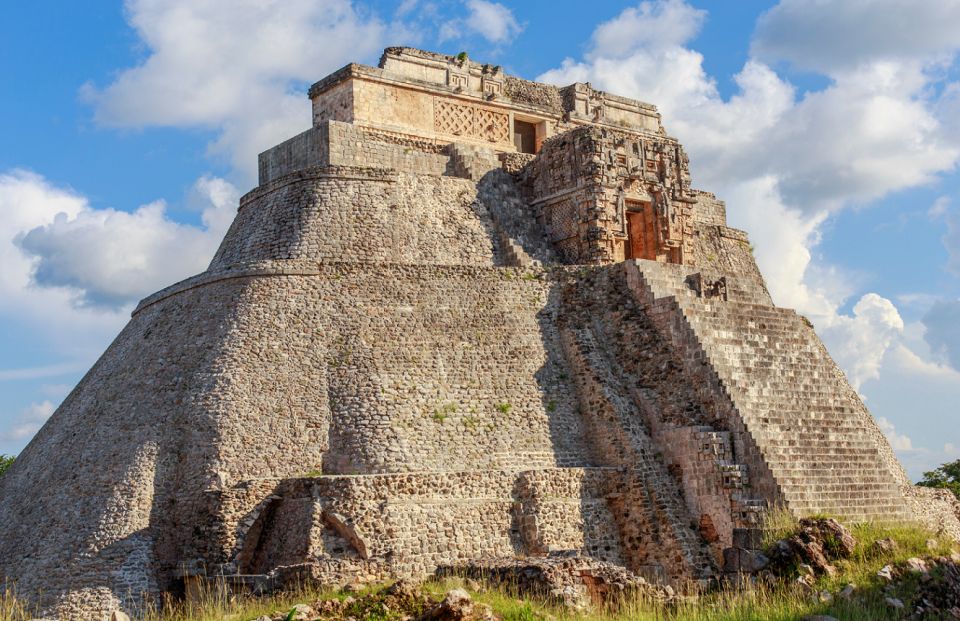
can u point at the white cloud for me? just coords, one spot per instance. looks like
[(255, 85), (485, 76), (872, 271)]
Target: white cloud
[(650, 25), (491, 20), (823, 35), (939, 207), (27, 201), (29, 373), (112, 258), (943, 209), (860, 341), (898, 441), (237, 66), (28, 422)]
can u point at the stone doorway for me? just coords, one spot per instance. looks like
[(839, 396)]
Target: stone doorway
[(641, 240), (525, 136)]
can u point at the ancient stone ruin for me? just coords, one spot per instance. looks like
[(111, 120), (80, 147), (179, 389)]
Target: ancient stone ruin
[(464, 316)]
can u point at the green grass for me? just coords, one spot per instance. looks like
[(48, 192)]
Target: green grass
[(781, 601)]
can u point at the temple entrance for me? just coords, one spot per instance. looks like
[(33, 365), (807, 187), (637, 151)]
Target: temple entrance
[(525, 136), (641, 235)]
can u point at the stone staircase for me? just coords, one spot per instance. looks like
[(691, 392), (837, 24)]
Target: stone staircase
[(645, 382), (519, 241), (471, 162), (520, 238), (823, 449), (653, 519)]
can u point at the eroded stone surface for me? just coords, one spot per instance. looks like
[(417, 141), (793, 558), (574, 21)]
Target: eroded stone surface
[(463, 317)]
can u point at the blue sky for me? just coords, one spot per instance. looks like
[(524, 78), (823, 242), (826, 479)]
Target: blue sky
[(832, 130)]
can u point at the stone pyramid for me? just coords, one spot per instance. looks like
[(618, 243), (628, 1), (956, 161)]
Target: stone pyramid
[(464, 317)]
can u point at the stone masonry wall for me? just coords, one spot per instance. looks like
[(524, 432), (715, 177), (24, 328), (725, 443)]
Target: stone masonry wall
[(408, 524), (380, 216), (333, 143), (358, 388)]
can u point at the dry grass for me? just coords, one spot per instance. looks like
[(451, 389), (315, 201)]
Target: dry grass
[(780, 602)]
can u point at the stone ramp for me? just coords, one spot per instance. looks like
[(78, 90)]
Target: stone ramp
[(825, 452)]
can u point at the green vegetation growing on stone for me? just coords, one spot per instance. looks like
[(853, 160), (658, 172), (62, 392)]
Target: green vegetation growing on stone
[(462, 57), (5, 462), (504, 408), (783, 601), (946, 476), (442, 413)]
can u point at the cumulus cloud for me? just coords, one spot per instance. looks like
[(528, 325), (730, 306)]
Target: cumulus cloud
[(106, 257), (786, 160), (898, 441), (28, 422), (823, 35), (491, 20), (237, 66), (861, 340), (650, 25), (27, 201)]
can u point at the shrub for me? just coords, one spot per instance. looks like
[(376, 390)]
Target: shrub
[(5, 462), (946, 476)]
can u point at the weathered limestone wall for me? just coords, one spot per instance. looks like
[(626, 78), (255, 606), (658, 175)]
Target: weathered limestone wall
[(409, 524), (709, 210), (123, 462), (340, 144), (379, 216), (720, 249)]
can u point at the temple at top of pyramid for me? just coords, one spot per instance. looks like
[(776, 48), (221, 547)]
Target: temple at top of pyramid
[(449, 115), (464, 319)]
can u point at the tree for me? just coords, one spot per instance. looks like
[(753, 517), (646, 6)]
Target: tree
[(946, 476), (5, 462)]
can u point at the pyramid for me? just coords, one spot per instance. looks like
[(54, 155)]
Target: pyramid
[(464, 317)]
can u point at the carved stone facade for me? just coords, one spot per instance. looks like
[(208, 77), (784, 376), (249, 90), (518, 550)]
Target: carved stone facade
[(420, 345), (609, 195)]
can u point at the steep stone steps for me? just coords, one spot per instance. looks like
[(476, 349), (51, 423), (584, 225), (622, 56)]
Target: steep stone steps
[(787, 391)]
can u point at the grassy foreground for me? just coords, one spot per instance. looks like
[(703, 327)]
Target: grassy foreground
[(781, 601)]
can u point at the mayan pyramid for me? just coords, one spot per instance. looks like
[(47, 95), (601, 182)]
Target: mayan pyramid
[(464, 316)]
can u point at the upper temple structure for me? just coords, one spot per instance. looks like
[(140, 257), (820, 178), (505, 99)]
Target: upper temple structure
[(463, 318)]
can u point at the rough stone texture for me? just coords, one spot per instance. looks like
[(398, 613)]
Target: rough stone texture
[(410, 352)]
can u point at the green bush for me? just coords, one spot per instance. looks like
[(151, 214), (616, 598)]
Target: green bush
[(946, 476), (5, 462)]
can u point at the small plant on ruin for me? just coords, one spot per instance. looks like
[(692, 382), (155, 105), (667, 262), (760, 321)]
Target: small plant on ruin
[(806, 321), (946, 476), (504, 408), (552, 406), (5, 462), (442, 413), (462, 58), (471, 422)]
